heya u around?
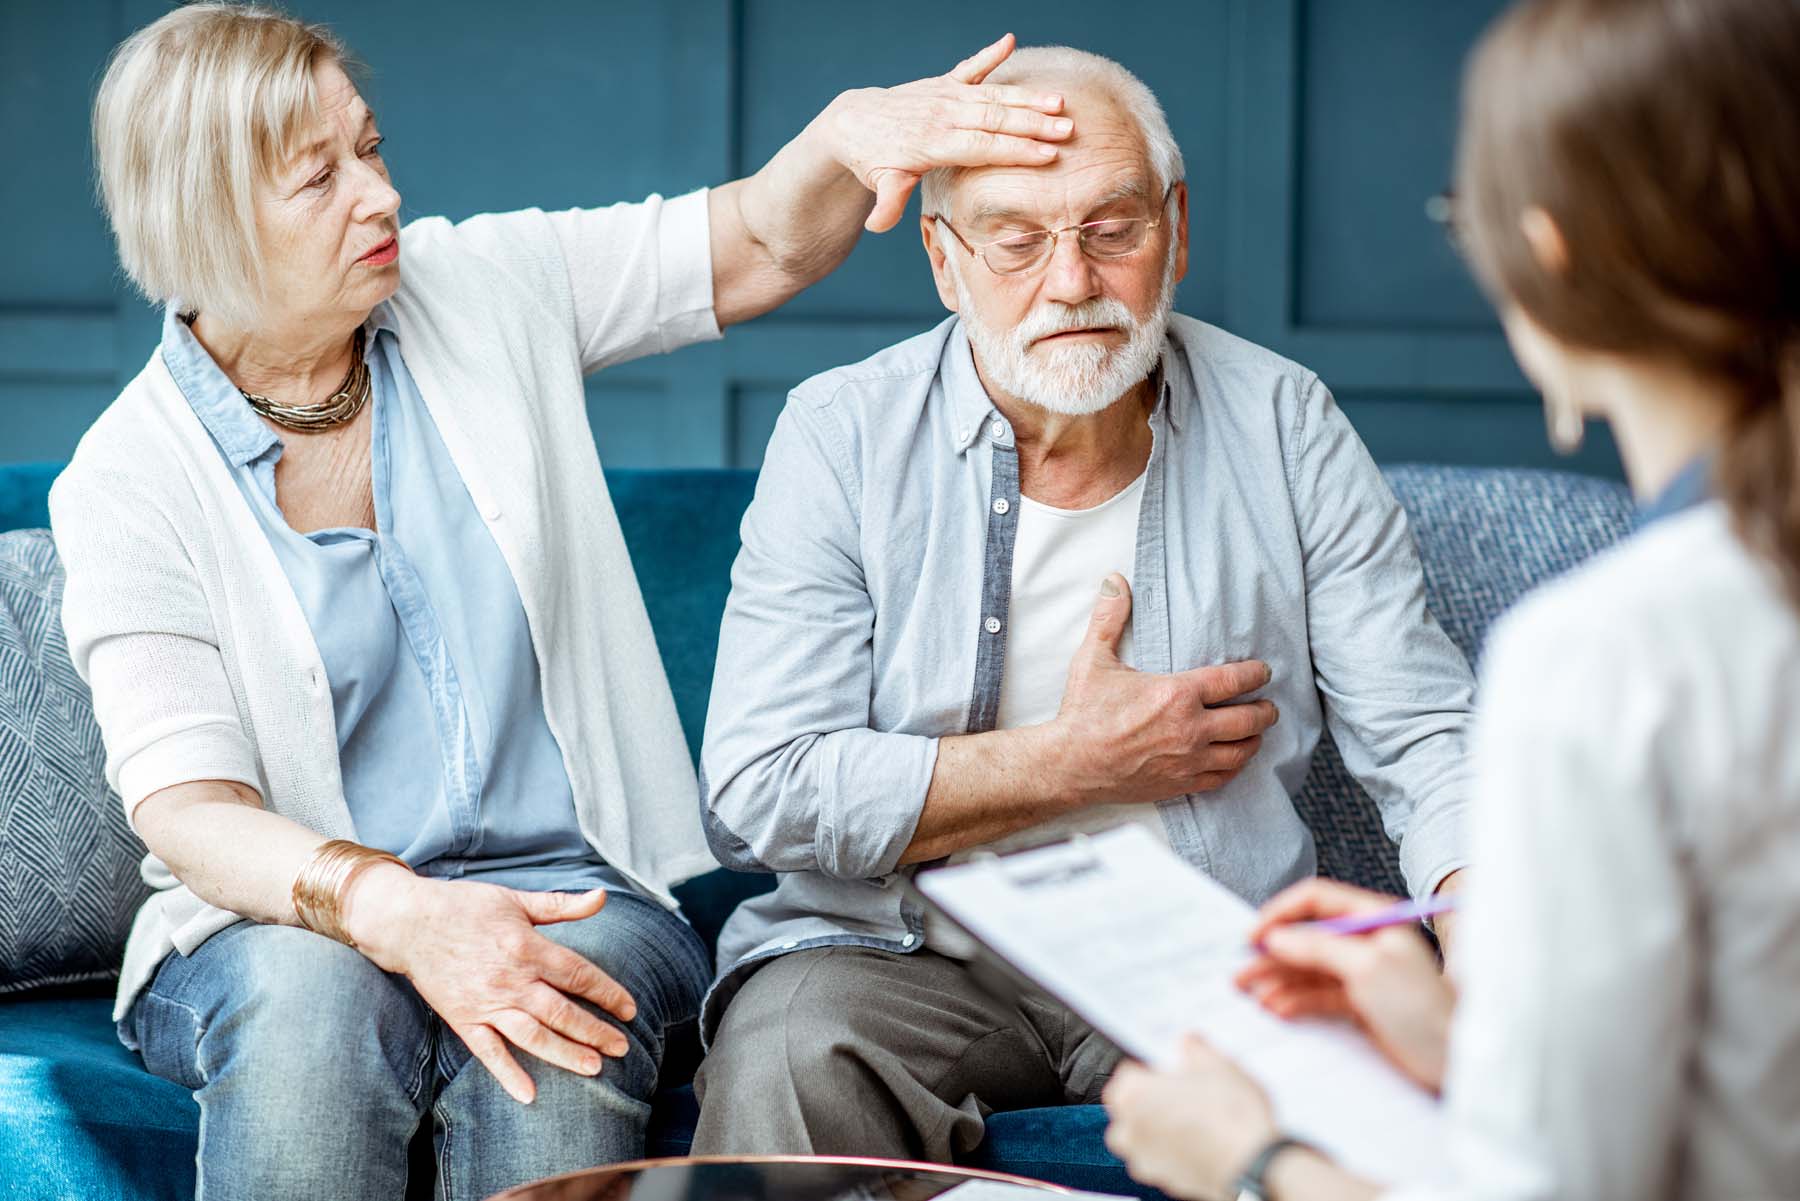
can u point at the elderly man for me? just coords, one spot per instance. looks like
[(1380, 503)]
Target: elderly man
[(1058, 564)]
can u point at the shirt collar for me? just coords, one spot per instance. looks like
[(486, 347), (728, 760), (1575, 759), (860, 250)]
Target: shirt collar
[(382, 320), (1692, 486), (975, 415), (222, 409)]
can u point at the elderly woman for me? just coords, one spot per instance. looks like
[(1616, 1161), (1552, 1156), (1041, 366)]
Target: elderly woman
[(376, 682)]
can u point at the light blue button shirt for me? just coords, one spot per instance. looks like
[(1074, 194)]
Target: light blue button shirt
[(446, 756), (870, 607)]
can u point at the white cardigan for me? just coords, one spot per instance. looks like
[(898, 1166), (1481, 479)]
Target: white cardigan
[(201, 662)]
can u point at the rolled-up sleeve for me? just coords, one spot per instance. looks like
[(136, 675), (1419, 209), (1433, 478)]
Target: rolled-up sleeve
[(793, 777), (141, 635), (1397, 691)]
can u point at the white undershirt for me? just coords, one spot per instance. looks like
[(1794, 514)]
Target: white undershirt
[(1059, 558)]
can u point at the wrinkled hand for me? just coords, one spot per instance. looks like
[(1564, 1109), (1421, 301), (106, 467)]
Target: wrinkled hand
[(1138, 737), (475, 956), (1387, 981), (1191, 1131), (890, 137)]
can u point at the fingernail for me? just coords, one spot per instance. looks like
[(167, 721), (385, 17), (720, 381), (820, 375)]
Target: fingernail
[(1046, 152), (1062, 125), (1051, 99), (1108, 589), (592, 1065)]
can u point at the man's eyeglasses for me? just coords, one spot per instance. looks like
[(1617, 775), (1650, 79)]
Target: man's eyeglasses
[(1114, 238)]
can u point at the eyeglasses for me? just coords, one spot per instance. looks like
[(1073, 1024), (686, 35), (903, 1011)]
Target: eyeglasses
[(1442, 209), (1115, 238)]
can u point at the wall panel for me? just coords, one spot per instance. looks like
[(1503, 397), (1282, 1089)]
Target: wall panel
[(1313, 131), (1378, 108)]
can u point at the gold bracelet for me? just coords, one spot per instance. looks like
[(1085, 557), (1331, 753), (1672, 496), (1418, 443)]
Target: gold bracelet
[(320, 887)]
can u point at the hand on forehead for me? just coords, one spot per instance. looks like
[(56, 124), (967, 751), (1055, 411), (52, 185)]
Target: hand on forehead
[(1105, 164)]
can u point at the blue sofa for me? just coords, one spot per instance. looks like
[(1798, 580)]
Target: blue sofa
[(81, 1118)]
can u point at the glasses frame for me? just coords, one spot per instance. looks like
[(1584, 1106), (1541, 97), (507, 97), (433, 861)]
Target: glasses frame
[(979, 249), (1443, 210)]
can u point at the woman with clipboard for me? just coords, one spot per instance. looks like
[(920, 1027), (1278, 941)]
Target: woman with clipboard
[(1629, 1021)]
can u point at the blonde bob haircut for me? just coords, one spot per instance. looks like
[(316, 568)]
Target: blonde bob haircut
[(195, 110)]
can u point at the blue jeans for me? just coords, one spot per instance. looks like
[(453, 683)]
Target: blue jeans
[(314, 1068)]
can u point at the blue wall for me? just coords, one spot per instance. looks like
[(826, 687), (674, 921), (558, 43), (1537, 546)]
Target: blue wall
[(1313, 131)]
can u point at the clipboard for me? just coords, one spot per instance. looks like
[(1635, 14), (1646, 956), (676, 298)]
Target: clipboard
[(1144, 949), (993, 972)]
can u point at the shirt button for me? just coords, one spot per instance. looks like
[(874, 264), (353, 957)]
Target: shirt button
[(908, 941), (1002, 507), (991, 625), (491, 512), (998, 429), (962, 435)]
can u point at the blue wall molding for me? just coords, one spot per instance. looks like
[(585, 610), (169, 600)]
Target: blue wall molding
[(1313, 129)]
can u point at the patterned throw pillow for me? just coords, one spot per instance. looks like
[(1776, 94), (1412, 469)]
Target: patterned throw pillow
[(69, 883), (1486, 537)]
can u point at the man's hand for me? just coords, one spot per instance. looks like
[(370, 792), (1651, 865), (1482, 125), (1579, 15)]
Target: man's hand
[(1387, 981), (890, 137), (473, 953), (1133, 736)]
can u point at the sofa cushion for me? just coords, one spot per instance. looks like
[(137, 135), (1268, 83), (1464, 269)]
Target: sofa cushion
[(1486, 536), (79, 1115), (69, 881), (681, 528), (25, 494)]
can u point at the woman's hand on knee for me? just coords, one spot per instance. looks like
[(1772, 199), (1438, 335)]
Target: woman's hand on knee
[(475, 955)]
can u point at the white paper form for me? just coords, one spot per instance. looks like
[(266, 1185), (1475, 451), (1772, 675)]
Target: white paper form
[(1145, 949)]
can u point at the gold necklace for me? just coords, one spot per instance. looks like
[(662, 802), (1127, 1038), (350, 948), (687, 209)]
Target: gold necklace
[(337, 409)]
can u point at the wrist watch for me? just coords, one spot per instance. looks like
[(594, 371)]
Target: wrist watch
[(1251, 1185)]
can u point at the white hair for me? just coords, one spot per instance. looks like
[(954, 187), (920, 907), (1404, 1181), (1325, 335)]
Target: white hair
[(1073, 380), (1069, 69), (195, 110)]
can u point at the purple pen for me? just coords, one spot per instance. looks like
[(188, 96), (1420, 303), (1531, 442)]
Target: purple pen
[(1393, 915)]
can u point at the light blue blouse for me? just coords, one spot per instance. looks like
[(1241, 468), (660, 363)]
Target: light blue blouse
[(446, 756)]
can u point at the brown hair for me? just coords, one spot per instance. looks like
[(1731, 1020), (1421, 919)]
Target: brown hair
[(1663, 138)]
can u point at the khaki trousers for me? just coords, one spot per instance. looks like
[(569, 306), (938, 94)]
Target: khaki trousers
[(850, 1050)]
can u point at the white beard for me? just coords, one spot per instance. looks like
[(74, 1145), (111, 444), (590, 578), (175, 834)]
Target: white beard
[(1080, 378)]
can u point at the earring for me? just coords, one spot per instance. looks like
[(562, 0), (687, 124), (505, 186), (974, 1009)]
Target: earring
[(1565, 424)]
